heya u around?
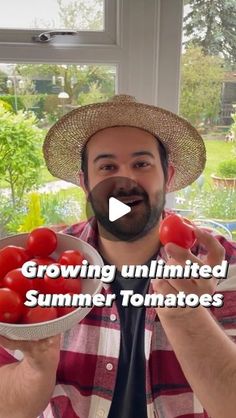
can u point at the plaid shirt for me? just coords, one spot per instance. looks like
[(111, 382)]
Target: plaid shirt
[(88, 364)]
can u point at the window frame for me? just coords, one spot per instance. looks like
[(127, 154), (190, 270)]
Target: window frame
[(136, 33), (23, 37)]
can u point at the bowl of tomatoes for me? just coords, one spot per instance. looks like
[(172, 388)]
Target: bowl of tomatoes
[(25, 260)]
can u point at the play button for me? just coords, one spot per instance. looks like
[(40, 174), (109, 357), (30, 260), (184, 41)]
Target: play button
[(120, 208), (117, 209)]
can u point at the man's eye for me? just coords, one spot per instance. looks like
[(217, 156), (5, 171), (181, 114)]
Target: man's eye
[(107, 167), (141, 164)]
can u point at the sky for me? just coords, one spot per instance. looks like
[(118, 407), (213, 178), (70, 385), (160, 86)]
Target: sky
[(20, 14)]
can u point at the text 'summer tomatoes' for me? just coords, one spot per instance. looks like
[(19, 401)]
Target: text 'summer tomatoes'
[(71, 257), (12, 257), (16, 281), (177, 230), (41, 242), (39, 314), (11, 306)]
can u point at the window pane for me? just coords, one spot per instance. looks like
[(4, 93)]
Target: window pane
[(83, 15), (32, 98), (208, 96)]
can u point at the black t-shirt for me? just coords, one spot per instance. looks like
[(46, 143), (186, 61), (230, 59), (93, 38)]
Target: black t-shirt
[(129, 400)]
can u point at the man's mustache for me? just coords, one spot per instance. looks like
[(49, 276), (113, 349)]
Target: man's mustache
[(128, 193)]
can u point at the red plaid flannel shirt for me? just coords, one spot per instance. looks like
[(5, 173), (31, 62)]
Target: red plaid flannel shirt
[(90, 350)]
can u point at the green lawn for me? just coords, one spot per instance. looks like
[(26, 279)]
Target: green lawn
[(217, 151)]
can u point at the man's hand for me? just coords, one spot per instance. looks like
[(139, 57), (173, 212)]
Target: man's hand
[(41, 355), (178, 256), (27, 386)]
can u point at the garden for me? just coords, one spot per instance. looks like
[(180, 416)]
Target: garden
[(30, 196), (41, 93)]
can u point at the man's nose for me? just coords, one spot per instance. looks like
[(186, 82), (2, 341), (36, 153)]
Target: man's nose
[(125, 183), (127, 173)]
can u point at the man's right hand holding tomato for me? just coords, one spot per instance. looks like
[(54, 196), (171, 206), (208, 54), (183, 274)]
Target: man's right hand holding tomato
[(27, 386), (205, 353)]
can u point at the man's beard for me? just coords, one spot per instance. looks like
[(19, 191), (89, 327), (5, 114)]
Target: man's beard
[(135, 224)]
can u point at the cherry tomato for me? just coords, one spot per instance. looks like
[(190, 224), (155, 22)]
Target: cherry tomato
[(43, 261), (71, 257), (38, 283), (16, 281), (72, 285), (61, 284), (52, 285), (64, 310), (42, 242), (178, 230), (39, 314), (11, 306), (12, 257)]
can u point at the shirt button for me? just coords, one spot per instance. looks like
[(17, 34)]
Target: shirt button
[(109, 366), (100, 413), (113, 317)]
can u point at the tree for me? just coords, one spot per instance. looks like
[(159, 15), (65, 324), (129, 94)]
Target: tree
[(77, 78), (94, 95), (211, 25), (28, 94), (80, 15), (3, 82), (202, 78), (20, 153)]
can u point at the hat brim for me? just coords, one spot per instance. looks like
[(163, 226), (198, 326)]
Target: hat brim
[(67, 137)]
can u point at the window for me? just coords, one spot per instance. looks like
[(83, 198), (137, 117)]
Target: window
[(137, 47), (208, 95), (82, 15)]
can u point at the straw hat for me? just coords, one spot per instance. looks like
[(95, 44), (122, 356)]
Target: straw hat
[(66, 138)]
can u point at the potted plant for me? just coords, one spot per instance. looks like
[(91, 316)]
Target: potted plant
[(225, 175)]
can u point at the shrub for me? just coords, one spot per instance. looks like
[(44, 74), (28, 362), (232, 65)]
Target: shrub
[(227, 169), (20, 153)]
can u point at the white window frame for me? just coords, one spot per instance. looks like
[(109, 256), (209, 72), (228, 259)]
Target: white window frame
[(107, 36), (141, 37)]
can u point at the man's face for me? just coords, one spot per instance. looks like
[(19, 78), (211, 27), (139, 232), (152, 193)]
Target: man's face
[(124, 163)]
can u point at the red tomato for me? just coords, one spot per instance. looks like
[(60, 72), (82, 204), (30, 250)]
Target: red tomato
[(61, 284), (39, 314), (11, 306), (43, 261), (42, 242), (52, 285), (12, 257), (16, 281), (38, 283), (71, 257), (72, 285), (178, 230), (64, 310)]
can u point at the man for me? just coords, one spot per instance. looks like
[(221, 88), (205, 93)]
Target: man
[(130, 362)]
